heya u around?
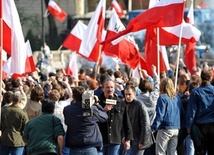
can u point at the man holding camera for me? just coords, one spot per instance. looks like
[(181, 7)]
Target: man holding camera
[(83, 135), (118, 125)]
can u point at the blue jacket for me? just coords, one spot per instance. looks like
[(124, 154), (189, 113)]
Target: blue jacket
[(83, 131), (200, 108), (168, 113)]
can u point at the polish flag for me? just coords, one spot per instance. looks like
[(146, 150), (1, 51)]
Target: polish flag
[(56, 11), (118, 8), (142, 65), (72, 68), (189, 55), (164, 13), (151, 54), (74, 39), (124, 49), (6, 38), (90, 46), (151, 50), (170, 35), (6, 23), (28, 65), (14, 35)]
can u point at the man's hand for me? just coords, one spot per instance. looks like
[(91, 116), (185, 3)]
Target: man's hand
[(108, 107), (127, 145), (140, 145)]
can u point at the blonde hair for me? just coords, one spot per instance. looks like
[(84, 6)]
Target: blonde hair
[(167, 86)]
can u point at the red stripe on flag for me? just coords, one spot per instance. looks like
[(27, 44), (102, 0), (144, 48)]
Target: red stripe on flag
[(7, 38), (72, 42)]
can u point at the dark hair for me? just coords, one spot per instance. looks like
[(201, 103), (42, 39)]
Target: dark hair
[(193, 85), (83, 84), (77, 93), (117, 74), (71, 79), (130, 83), (15, 83), (81, 71), (110, 72), (206, 76), (130, 86), (103, 78), (145, 85), (51, 74), (103, 70), (48, 106), (37, 93), (7, 97)]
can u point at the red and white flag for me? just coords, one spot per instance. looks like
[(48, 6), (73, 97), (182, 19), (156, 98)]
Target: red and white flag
[(74, 39), (170, 35), (151, 54), (15, 36), (29, 64), (72, 68), (5, 29), (163, 14), (26, 66), (118, 8), (124, 49), (90, 46), (189, 55), (11, 27), (56, 11)]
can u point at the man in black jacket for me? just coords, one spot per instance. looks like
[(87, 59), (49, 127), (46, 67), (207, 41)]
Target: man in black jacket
[(118, 121), (140, 122)]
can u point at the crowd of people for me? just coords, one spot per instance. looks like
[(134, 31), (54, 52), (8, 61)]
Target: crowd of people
[(43, 114)]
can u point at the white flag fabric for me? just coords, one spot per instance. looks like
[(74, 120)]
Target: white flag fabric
[(90, 46), (74, 38), (11, 18), (56, 11), (118, 8), (28, 65), (72, 67)]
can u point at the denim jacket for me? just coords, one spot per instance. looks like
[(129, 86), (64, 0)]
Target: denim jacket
[(200, 108), (169, 113)]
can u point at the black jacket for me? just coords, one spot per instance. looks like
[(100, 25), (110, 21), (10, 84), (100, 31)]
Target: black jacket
[(140, 122), (118, 124)]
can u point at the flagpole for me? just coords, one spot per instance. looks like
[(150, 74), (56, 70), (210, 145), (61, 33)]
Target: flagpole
[(43, 26), (98, 61), (1, 49), (59, 48), (130, 5), (158, 50), (178, 56)]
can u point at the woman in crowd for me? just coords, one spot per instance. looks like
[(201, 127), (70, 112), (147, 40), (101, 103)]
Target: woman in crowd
[(168, 118)]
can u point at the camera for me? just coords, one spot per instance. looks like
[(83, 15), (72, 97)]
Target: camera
[(88, 99)]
